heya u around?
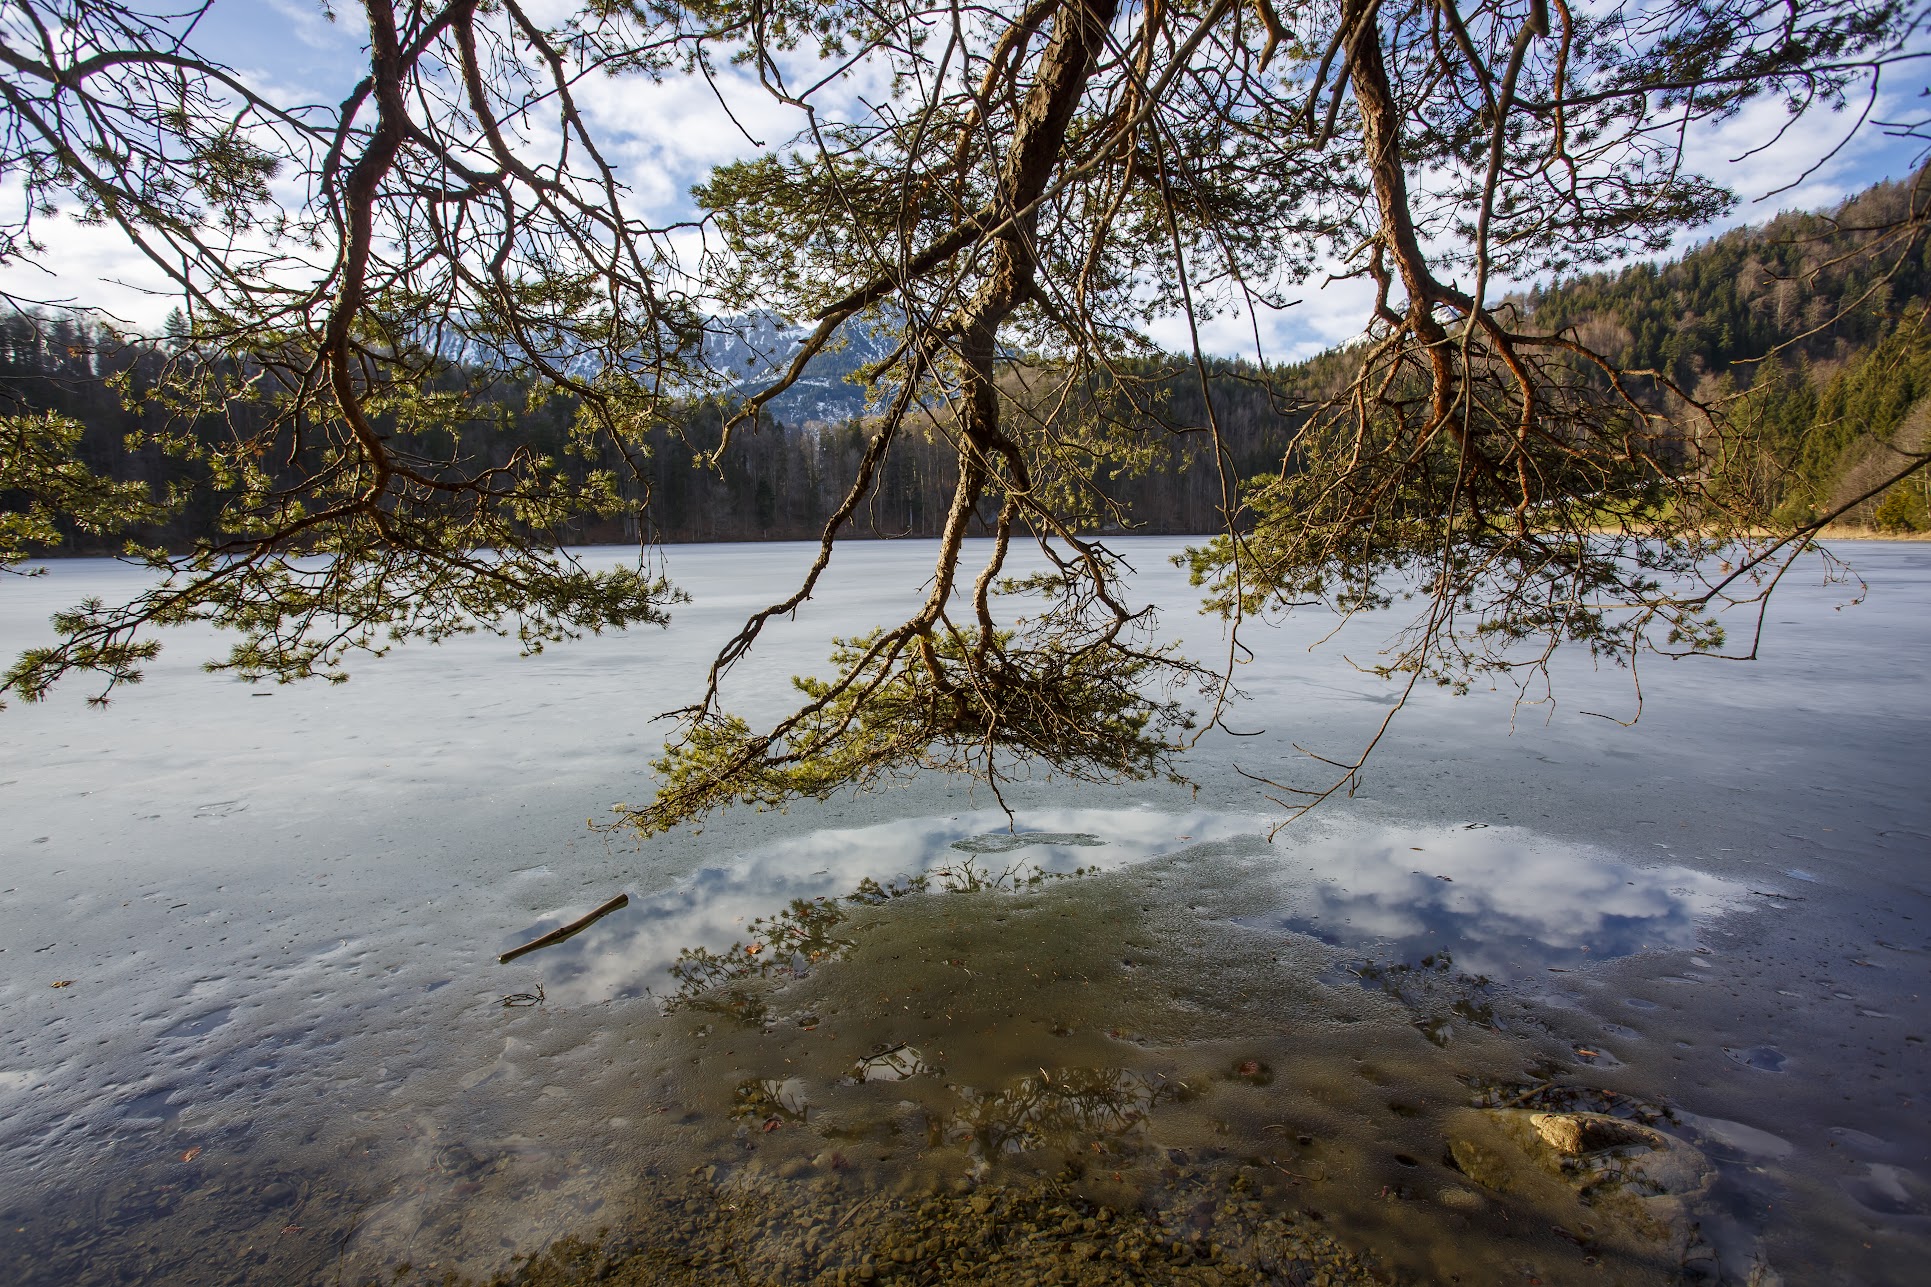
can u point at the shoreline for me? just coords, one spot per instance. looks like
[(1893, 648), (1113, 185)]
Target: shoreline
[(1869, 534), (1833, 533)]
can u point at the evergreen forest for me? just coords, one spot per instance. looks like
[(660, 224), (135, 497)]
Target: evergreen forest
[(1809, 333)]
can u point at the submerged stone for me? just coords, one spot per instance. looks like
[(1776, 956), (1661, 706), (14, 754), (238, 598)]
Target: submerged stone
[(895, 1064)]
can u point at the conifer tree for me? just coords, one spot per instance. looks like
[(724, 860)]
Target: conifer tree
[(1038, 183)]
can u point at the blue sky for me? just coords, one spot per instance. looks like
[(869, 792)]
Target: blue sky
[(667, 136)]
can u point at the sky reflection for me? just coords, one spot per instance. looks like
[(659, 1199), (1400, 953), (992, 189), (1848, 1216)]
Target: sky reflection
[(1502, 901), (629, 953)]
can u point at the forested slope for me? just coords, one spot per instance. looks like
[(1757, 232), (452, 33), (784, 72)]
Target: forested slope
[(1818, 325), (780, 480), (1818, 321)]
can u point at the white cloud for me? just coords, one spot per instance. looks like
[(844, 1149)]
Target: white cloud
[(1325, 313), (664, 136), (309, 22), (95, 267), (1816, 163)]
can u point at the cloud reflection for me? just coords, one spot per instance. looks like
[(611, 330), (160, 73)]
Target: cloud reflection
[(1502, 901), (630, 953)]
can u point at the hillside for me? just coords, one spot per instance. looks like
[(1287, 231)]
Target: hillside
[(1815, 324), (1837, 303), (781, 480)]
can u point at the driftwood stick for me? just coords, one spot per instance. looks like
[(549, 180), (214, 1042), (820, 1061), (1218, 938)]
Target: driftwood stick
[(556, 936)]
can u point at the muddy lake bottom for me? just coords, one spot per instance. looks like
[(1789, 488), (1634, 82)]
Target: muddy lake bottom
[(1583, 1004)]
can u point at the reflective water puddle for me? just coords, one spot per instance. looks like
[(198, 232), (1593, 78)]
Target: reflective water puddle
[(1499, 902), (959, 1013), (663, 943)]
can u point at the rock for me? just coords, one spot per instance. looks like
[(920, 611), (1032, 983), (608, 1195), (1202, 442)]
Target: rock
[(894, 1064), (1643, 1178), (1483, 1165), (1594, 1150), (1579, 1133), (276, 1194)]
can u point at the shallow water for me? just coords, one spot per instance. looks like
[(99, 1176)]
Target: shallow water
[(279, 1050), (633, 952)]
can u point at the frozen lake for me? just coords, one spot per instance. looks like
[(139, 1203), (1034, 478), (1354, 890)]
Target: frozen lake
[(252, 1027)]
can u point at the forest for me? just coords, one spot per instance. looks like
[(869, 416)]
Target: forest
[(1823, 349), (780, 482)]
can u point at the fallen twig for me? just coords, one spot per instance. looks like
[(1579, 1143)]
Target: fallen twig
[(558, 935), (1528, 1094)]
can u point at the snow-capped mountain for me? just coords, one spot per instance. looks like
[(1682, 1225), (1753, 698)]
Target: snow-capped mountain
[(756, 348)]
